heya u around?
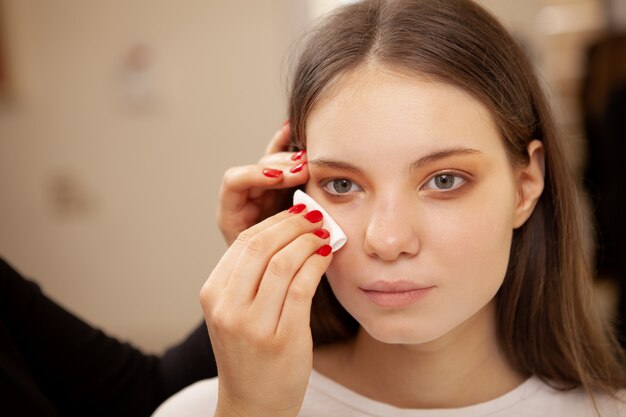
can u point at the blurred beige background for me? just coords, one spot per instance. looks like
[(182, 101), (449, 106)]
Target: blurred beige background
[(122, 116)]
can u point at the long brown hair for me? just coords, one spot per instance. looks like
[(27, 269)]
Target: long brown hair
[(547, 323)]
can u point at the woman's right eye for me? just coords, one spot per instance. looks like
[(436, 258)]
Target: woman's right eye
[(340, 186)]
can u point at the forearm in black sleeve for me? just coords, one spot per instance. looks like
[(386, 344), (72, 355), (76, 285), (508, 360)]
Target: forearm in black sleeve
[(81, 370), (188, 362)]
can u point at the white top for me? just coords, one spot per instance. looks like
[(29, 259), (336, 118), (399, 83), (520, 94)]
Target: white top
[(324, 397)]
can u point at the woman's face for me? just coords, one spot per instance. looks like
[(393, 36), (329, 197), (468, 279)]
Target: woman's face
[(416, 174)]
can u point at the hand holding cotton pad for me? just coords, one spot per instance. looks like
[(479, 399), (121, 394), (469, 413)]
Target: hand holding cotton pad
[(337, 237)]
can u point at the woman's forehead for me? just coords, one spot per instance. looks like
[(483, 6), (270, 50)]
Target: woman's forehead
[(385, 109)]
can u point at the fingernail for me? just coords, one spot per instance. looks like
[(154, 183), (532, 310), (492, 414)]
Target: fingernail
[(297, 168), (322, 233), (324, 250), (297, 208), (272, 173), (298, 155), (285, 123), (314, 216)]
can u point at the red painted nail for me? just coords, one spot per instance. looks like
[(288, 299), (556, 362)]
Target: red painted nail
[(314, 216), (297, 168), (322, 233), (298, 155), (324, 250), (272, 173), (297, 208), (285, 123)]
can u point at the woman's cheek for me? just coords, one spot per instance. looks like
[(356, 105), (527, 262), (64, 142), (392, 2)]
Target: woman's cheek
[(474, 248)]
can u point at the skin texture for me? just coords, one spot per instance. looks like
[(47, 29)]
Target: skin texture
[(440, 351), (402, 224)]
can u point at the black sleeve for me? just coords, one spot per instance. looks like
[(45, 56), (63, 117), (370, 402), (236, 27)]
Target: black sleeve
[(78, 369), (188, 362), (615, 125)]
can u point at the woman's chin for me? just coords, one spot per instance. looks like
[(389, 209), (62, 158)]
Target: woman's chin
[(402, 333)]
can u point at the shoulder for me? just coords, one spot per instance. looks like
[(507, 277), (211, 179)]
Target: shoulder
[(533, 398), (199, 399), (613, 405), (575, 402)]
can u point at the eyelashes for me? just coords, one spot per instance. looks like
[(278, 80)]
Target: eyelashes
[(446, 181), (339, 185), (443, 182)]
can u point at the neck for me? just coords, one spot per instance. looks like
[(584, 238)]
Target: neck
[(463, 367)]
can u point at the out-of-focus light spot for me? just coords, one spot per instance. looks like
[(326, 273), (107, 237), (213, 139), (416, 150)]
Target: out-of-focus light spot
[(317, 8), (138, 87), (568, 18)]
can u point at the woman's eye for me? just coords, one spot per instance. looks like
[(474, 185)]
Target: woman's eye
[(341, 186), (445, 182)]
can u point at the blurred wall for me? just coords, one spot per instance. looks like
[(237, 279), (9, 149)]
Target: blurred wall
[(122, 119)]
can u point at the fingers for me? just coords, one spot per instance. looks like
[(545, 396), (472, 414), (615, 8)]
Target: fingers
[(258, 250), (293, 176), (296, 312), (276, 170), (283, 160), (221, 273), (275, 154), (255, 179), (269, 273), (238, 181), (245, 195), (292, 164), (282, 267), (280, 140)]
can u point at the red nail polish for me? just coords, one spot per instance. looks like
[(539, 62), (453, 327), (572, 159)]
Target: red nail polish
[(324, 250), (322, 233), (297, 208), (297, 168), (298, 155), (314, 216), (285, 123), (272, 173)]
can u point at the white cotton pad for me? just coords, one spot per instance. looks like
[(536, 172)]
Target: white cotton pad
[(337, 236)]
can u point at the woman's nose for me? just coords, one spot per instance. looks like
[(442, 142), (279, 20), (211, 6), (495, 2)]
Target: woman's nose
[(391, 231)]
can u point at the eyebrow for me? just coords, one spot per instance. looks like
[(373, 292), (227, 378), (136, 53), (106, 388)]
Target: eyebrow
[(424, 160)]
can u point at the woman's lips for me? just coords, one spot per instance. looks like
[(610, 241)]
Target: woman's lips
[(395, 293)]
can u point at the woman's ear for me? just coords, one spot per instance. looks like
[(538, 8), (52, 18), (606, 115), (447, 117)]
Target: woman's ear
[(530, 181)]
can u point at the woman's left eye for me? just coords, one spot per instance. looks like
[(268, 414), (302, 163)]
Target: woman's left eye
[(340, 186), (445, 182)]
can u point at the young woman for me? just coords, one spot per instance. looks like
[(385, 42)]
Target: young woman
[(462, 290)]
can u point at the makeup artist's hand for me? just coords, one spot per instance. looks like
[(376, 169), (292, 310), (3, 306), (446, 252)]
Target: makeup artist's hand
[(251, 193), (257, 305)]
